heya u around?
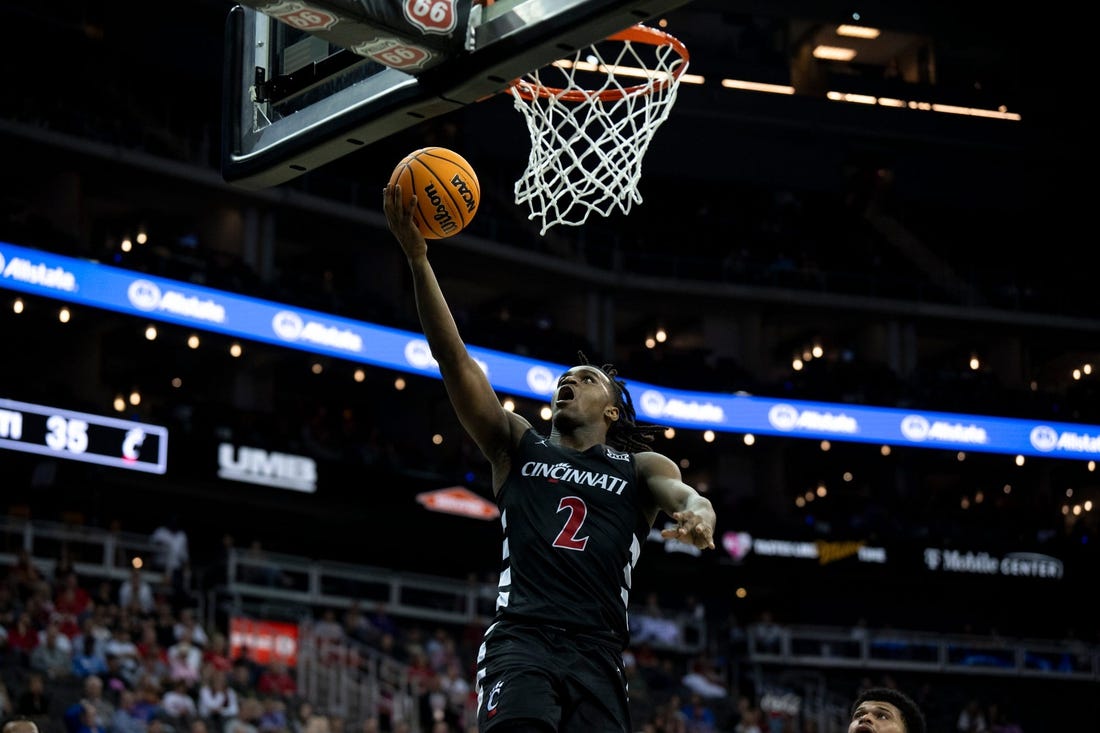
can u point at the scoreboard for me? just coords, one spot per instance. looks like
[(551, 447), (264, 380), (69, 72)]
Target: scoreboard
[(80, 436)]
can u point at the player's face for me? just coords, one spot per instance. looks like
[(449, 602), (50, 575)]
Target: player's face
[(876, 717), (583, 393)]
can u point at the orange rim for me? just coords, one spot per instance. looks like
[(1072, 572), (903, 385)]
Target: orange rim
[(636, 33)]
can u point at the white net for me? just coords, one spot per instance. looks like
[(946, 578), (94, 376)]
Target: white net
[(591, 119)]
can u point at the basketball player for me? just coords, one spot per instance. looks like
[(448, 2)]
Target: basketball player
[(576, 507), (885, 710), (20, 725)]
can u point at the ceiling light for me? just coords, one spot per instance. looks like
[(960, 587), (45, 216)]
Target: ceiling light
[(857, 31), (834, 53)]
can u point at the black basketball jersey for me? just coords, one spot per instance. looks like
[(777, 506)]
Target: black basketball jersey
[(574, 524)]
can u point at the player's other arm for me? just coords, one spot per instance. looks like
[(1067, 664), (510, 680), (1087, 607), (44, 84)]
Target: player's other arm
[(473, 398), (692, 512)]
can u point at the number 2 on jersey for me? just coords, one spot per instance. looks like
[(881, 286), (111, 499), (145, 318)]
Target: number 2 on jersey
[(567, 538)]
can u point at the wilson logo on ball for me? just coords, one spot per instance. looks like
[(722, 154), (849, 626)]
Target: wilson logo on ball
[(446, 188)]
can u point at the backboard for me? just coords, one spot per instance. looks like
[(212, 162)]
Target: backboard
[(307, 83)]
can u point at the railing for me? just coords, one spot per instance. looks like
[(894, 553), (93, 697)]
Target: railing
[(353, 681), (93, 552), (301, 583), (298, 586), (892, 650)]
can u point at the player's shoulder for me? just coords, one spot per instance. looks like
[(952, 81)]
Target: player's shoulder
[(652, 463)]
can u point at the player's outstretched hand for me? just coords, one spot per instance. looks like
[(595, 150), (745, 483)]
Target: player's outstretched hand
[(400, 220), (694, 529)]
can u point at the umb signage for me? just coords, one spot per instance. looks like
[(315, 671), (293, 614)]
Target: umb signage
[(267, 468)]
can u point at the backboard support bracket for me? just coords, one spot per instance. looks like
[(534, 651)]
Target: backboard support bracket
[(328, 117)]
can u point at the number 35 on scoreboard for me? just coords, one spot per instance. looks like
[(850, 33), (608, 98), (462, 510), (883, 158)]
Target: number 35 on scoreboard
[(80, 436)]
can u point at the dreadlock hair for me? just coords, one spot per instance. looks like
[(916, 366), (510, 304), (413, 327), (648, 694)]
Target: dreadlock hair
[(625, 434)]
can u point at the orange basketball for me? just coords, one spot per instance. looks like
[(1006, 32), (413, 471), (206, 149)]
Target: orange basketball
[(446, 188)]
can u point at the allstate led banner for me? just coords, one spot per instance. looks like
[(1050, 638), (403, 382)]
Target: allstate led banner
[(137, 294)]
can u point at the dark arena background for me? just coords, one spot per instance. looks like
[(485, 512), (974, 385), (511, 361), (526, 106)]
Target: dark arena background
[(830, 260)]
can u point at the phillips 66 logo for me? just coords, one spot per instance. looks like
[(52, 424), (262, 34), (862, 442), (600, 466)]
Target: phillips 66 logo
[(431, 16)]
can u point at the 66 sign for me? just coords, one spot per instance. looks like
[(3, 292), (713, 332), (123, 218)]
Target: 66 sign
[(80, 436), (432, 16)]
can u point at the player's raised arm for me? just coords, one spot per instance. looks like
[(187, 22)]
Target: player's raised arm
[(473, 398)]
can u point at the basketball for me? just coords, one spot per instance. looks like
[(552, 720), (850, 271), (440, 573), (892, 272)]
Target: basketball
[(446, 187)]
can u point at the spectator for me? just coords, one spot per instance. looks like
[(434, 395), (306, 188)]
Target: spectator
[(704, 680), (179, 705), (248, 719), (135, 594), (187, 626), (276, 680), (971, 718), (650, 623), (95, 696), (301, 719), (127, 717), (185, 661), (273, 719), (147, 705), (173, 558), (52, 657), (34, 700), (24, 577), (327, 629), (72, 604), (80, 717), (22, 639), (699, 715), (750, 718), (243, 676), (154, 664), (256, 568), (357, 626), (115, 679), (766, 634), (217, 700), (216, 654), (88, 659), (123, 648)]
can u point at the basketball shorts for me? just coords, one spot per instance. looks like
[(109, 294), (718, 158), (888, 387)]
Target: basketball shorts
[(571, 682)]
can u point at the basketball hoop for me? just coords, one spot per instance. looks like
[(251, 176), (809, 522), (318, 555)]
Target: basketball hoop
[(590, 128)]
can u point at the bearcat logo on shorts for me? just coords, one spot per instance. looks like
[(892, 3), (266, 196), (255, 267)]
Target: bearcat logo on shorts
[(431, 16), (494, 694)]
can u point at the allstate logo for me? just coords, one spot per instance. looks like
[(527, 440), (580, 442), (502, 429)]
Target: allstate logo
[(783, 417), (540, 379), (1044, 438), (144, 295), (287, 325), (652, 402), (914, 427), (419, 354)]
